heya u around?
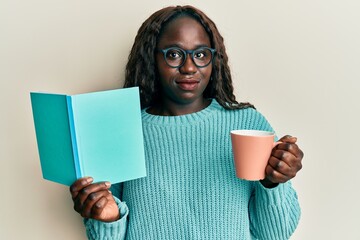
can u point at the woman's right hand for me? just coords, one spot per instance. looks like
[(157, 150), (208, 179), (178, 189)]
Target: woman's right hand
[(94, 200)]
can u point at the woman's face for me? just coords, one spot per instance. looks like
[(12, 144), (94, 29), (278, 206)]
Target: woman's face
[(184, 84)]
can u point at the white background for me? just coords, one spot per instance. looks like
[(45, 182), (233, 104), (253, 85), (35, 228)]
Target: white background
[(297, 61)]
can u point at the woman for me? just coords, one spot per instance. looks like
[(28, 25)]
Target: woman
[(179, 62)]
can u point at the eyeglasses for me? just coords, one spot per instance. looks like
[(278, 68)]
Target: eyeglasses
[(175, 57)]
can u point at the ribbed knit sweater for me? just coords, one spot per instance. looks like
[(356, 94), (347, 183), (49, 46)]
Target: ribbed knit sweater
[(191, 191)]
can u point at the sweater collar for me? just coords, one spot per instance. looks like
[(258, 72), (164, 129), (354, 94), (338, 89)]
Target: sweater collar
[(182, 119)]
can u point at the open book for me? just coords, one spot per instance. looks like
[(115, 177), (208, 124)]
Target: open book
[(96, 134)]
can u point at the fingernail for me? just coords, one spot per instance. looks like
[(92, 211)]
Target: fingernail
[(107, 184), (291, 137), (89, 179)]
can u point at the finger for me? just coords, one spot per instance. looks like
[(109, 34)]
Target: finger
[(99, 206), (293, 147), (275, 176), (289, 147), (91, 201), (85, 192), (280, 166), (290, 157), (80, 184), (288, 138), (290, 153), (282, 157)]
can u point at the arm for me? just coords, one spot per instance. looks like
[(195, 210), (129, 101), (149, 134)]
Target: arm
[(275, 212), (274, 208), (105, 216), (97, 230)]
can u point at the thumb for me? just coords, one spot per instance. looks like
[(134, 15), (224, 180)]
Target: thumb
[(288, 139)]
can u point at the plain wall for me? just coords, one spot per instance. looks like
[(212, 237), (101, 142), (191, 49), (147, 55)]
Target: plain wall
[(297, 61)]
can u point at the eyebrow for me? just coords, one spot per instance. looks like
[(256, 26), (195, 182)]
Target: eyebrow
[(179, 46)]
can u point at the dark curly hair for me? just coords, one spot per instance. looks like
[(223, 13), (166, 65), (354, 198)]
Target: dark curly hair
[(141, 67)]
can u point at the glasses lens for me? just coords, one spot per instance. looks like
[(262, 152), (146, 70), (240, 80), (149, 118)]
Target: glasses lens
[(202, 57), (174, 57)]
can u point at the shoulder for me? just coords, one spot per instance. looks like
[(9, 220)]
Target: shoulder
[(242, 111), (245, 118), (250, 114)]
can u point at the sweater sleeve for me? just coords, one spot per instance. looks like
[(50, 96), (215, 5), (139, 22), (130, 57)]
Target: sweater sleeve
[(98, 230), (274, 213)]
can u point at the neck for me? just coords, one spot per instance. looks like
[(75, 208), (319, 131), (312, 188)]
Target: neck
[(169, 108)]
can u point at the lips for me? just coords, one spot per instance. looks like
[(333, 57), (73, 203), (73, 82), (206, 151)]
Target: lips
[(188, 84)]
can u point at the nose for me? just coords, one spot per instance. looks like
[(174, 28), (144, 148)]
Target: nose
[(189, 66)]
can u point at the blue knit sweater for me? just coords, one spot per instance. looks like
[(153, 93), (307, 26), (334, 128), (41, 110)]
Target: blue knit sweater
[(191, 191)]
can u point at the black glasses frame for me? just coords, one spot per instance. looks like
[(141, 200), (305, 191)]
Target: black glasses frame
[(185, 53)]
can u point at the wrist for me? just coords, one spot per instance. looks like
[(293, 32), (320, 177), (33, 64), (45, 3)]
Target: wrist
[(268, 184)]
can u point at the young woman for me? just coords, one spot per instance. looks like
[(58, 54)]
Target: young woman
[(179, 62)]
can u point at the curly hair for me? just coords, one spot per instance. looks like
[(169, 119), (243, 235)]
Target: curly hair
[(141, 68)]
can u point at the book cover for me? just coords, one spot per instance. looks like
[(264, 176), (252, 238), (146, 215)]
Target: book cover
[(96, 134)]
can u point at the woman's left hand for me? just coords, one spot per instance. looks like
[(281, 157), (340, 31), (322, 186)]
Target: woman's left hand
[(284, 162)]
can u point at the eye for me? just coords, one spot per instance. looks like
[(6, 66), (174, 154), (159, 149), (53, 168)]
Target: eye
[(174, 54), (201, 53)]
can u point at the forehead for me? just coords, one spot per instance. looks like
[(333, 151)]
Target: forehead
[(185, 32)]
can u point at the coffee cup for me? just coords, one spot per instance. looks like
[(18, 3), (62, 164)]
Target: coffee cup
[(251, 151)]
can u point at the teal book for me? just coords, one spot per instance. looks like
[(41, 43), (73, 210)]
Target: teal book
[(97, 134)]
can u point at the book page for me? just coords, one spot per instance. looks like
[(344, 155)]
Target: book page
[(109, 134)]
